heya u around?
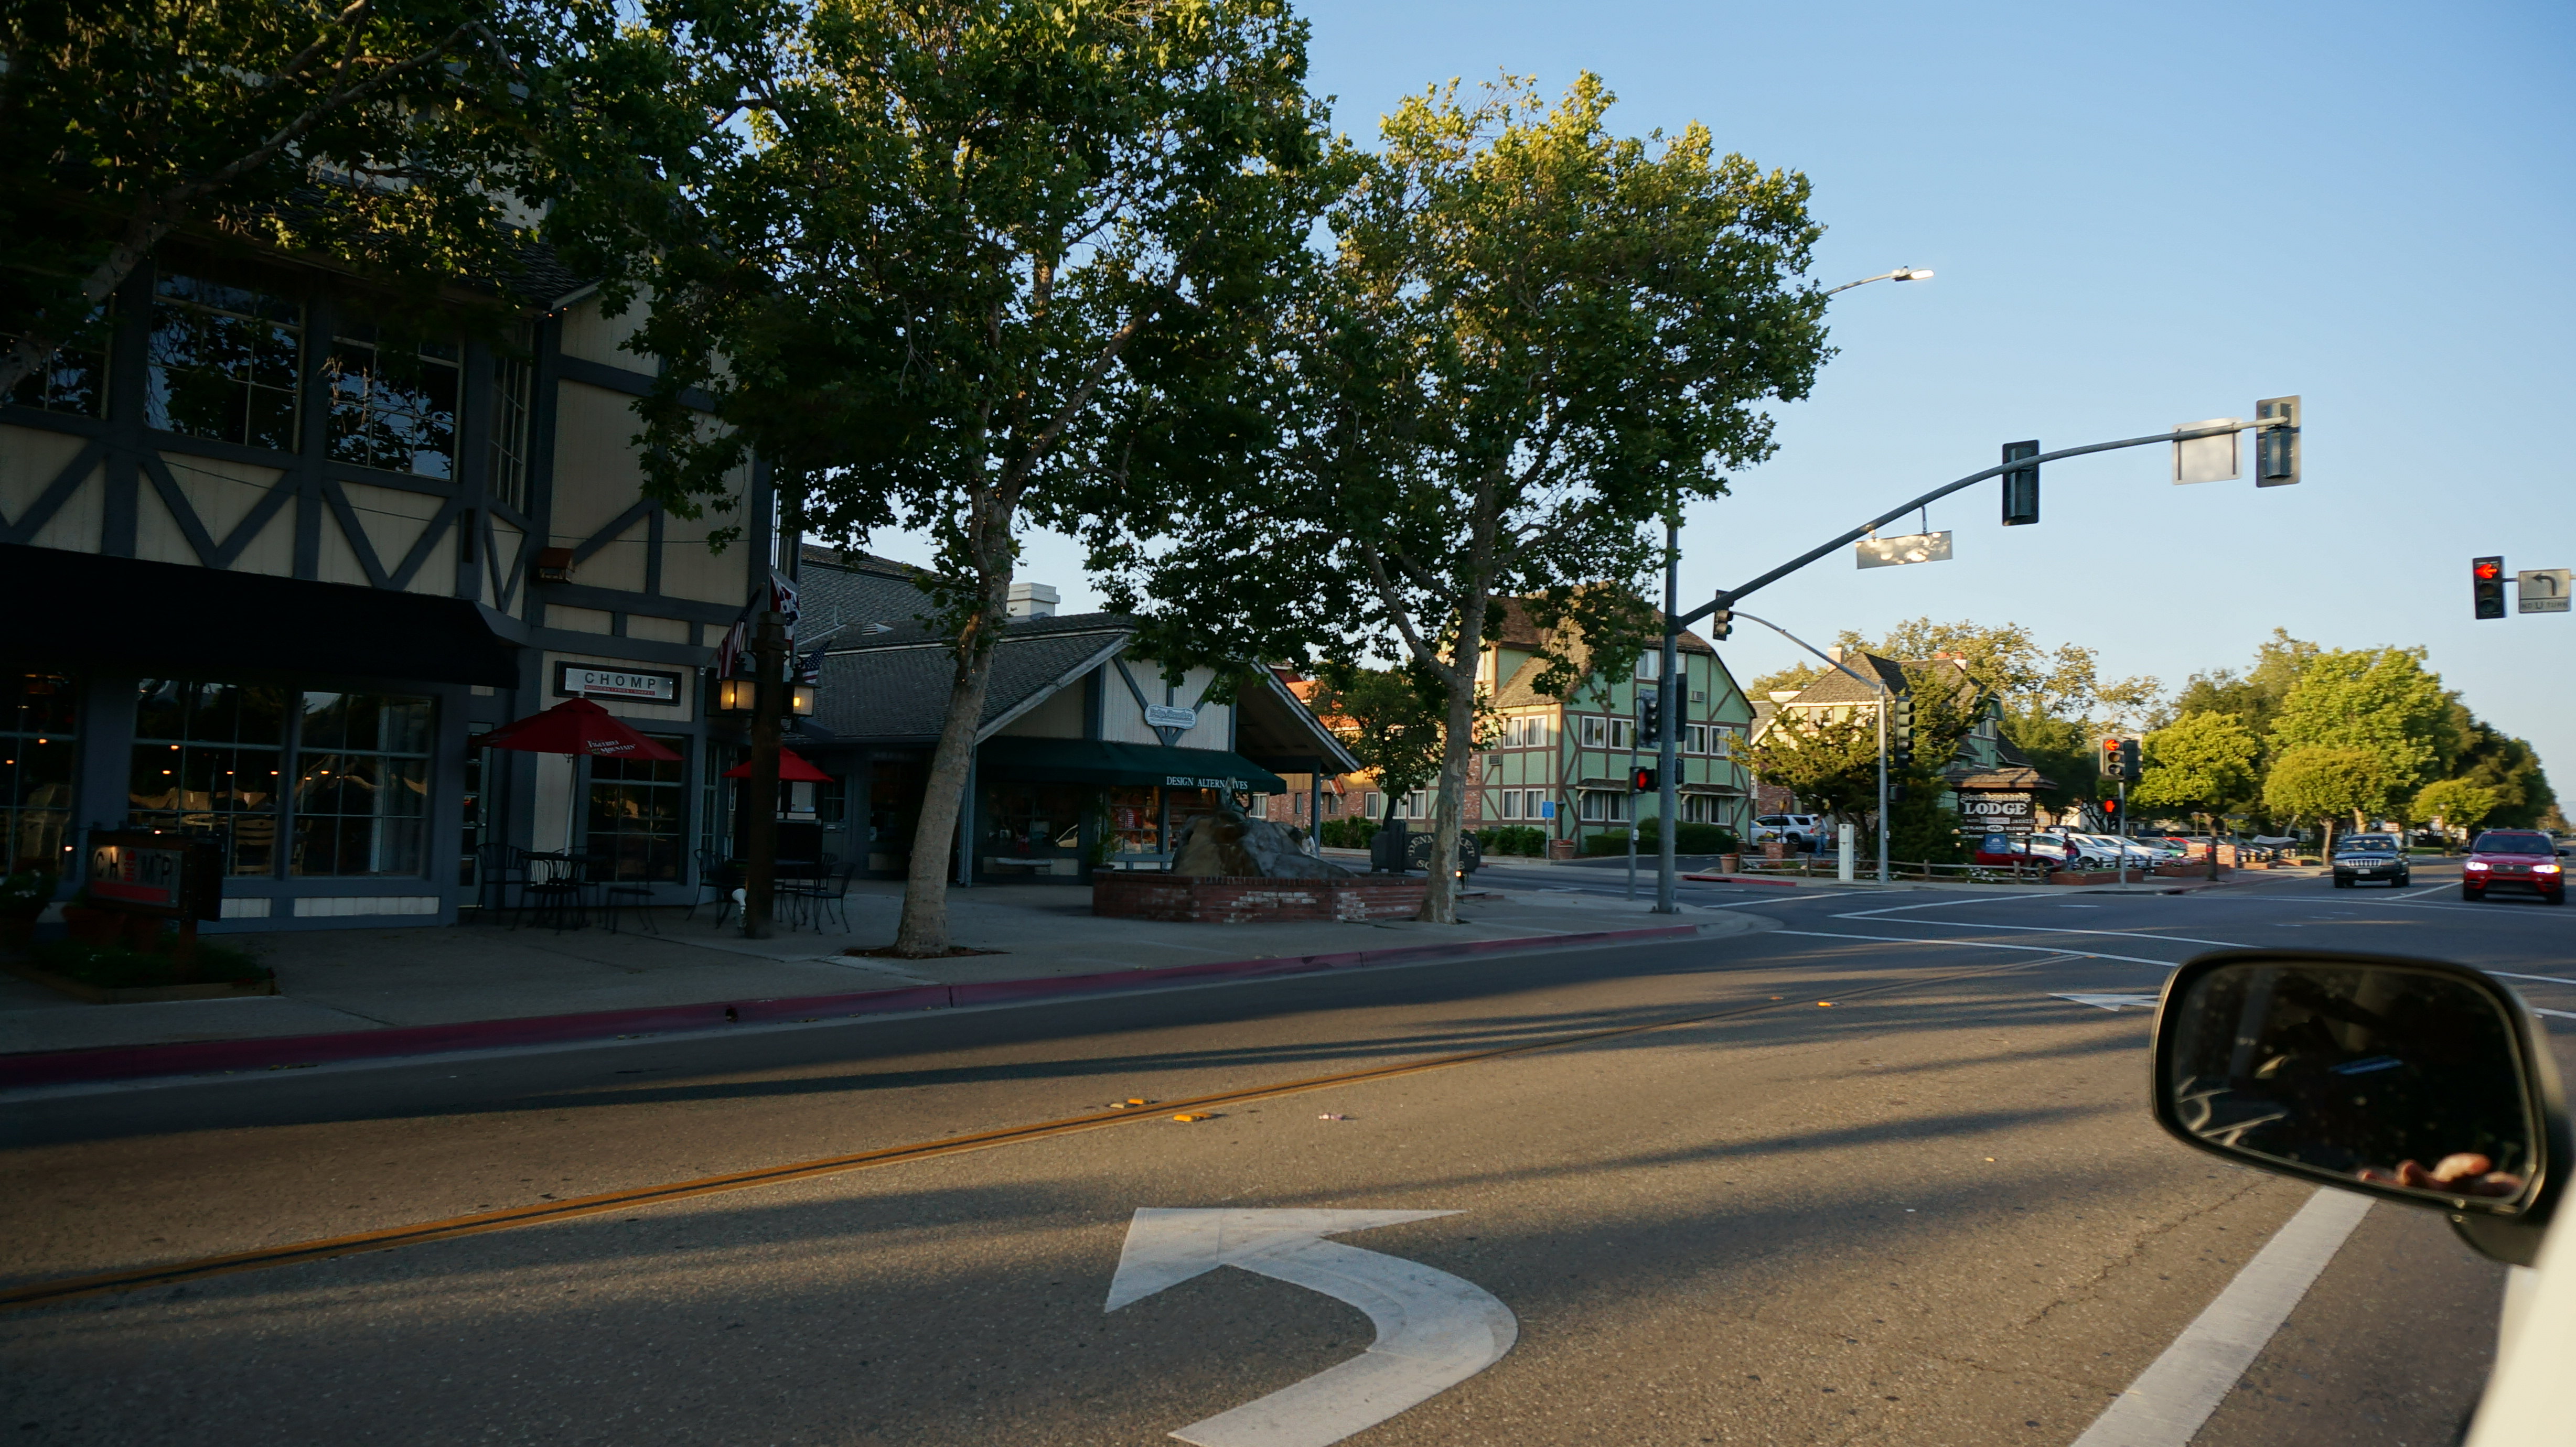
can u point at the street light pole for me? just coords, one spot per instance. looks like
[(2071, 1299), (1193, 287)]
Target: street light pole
[(1902, 273), (1668, 726)]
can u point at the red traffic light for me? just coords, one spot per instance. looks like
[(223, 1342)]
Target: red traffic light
[(2111, 808), (1642, 781), (2488, 569)]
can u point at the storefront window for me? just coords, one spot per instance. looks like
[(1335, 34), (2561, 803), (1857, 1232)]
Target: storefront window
[(223, 363), (208, 757), (362, 785), (37, 714), (639, 812), (1136, 820), (1033, 821), (393, 400)]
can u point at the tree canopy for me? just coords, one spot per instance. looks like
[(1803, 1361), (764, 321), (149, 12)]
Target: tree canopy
[(2201, 763)]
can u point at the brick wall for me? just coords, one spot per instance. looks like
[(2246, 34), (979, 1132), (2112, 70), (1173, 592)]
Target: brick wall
[(1230, 899)]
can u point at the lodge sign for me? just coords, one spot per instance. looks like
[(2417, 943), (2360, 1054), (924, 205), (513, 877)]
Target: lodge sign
[(636, 685), (2009, 812)]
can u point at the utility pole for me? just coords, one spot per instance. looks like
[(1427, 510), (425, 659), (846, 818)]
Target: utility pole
[(1668, 709), (760, 828)]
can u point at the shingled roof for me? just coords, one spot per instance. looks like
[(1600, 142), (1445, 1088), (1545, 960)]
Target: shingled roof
[(894, 688)]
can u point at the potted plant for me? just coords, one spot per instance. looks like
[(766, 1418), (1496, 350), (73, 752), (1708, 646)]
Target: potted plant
[(23, 896)]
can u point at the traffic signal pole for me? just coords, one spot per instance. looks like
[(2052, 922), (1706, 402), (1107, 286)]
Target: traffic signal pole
[(1668, 710), (2270, 473)]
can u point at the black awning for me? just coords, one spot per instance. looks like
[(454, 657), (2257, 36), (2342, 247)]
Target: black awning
[(1099, 761), (81, 611)]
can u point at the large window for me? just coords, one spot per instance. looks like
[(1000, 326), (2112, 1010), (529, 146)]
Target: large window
[(223, 363), (639, 813), (508, 482), (393, 400), (362, 785), (74, 378), (208, 757), (37, 715)]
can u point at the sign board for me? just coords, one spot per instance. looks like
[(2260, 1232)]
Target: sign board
[(1547, 808), (2541, 590), (161, 874), (1184, 781), (1165, 716), (2010, 813), (1896, 552), (636, 685), (2206, 459)]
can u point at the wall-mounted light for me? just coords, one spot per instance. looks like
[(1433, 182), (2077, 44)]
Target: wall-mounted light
[(553, 565), (800, 700), (734, 695)]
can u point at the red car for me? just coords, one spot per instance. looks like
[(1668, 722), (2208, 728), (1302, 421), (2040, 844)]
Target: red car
[(2511, 860)]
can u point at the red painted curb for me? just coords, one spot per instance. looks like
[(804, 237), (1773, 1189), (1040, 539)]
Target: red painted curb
[(203, 1057)]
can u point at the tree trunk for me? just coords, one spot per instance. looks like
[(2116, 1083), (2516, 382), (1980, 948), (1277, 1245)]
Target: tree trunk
[(923, 933), (1457, 754)]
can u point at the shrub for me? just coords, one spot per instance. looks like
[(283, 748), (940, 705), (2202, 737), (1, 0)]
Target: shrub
[(27, 893), (1513, 839), (111, 967), (1350, 832), (1688, 838)]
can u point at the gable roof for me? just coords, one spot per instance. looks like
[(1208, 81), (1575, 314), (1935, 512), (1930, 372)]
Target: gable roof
[(894, 688)]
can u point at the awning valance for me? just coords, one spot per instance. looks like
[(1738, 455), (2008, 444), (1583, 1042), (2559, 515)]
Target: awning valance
[(1099, 761), (67, 610)]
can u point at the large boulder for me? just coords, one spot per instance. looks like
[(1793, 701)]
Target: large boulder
[(1244, 847)]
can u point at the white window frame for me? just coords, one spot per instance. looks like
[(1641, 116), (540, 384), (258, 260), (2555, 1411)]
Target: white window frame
[(1511, 803), (1596, 731)]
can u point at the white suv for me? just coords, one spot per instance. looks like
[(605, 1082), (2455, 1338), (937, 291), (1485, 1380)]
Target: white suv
[(1801, 830)]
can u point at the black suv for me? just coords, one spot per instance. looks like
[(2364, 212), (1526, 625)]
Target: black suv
[(2369, 856)]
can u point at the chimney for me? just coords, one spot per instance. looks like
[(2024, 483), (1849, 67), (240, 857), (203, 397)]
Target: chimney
[(1834, 651), (1032, 600)]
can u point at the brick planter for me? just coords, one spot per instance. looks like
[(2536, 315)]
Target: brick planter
[(1232, 899)]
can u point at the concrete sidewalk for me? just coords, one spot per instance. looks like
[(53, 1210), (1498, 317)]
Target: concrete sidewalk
[(338, 981)]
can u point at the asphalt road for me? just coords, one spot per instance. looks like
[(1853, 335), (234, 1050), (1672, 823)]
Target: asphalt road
[(1866, 1176)]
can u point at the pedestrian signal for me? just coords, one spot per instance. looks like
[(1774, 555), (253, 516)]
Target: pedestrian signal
[(1642, 781)]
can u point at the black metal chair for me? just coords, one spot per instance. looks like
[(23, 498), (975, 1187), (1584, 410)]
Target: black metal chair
[(813, 891), (719, 878), (618, 895), (553, 890)]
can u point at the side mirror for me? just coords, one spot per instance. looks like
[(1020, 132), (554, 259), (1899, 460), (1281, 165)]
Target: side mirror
[(2411, 1080)]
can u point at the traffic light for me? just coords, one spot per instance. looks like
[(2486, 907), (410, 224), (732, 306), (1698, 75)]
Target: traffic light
[(1720, 624), (1650, 719), (2111, 811), (1641, 781), (2276, 449), (2021, 485), (1900, 729), (2486, 586), (2115, 759), (2129, 758)]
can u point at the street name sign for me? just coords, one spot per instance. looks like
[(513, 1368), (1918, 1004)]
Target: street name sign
[(1898, 551), (2205, 459), (1434, 1330)]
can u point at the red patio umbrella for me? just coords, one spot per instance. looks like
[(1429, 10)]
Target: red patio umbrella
[(576, 726), (792, 769)]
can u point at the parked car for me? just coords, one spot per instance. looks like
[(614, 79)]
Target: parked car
[(2008, 851), (2112, 847), (1802, 831), (2369, 857), (2067, 854), (2514, 861)]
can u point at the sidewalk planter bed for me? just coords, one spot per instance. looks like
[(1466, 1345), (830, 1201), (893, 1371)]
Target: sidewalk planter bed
[(1245, 899), (114, 975)]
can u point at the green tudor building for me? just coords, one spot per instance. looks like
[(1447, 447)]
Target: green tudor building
[(1565, 765), (1086, 757)]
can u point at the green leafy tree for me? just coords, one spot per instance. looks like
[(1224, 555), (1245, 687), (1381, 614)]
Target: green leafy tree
[(2382, 702), (1393, 721), (2458, 803), (1829, 764), (2510, 769), (2202, 765), (975, 265), (414, 141), (1567, 333), (2326, 783), (2253, 697)]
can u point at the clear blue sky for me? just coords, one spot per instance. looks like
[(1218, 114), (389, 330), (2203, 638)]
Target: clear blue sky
[(2140, 216)]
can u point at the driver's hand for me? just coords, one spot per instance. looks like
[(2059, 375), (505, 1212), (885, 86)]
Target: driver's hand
[(2465, 1173)]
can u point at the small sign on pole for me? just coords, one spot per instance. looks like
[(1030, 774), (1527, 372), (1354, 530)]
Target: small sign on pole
[(1896, 552), (2541, 590), (2205, 459)]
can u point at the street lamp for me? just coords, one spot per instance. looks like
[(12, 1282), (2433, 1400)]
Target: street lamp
[(1902, 273), (1668, 754)]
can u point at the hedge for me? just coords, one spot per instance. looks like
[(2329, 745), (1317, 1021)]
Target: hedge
[(1513, 839)]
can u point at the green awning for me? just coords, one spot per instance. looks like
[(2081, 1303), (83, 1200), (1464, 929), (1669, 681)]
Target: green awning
[(1095, 761)]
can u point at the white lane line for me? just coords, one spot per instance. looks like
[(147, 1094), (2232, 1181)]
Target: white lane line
[(2112, 1003), (2170, 1400), (2561, 1014), (1982, 945), (1434, 1330), (2510, 975), (2413, 893), (2043, 929), (1938, 904)]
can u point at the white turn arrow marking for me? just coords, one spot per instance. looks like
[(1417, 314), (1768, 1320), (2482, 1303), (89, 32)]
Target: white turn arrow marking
[(2109, 1002), (1433, 1329)]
